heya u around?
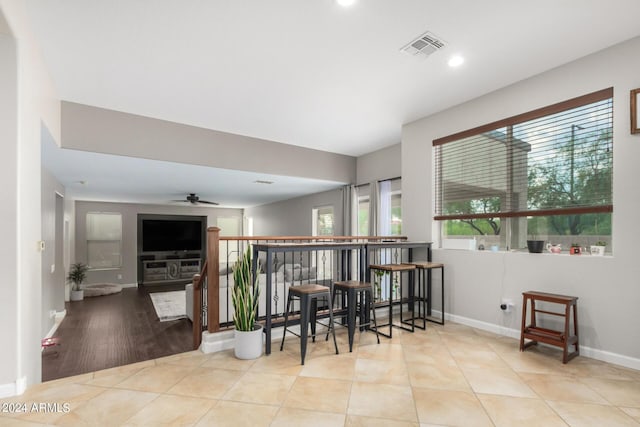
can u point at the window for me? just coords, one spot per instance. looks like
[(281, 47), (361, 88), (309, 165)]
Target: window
[(229, 227), (323, 226), (104, 240), (546, 174), (323, 221), (364, 202), (390, 207)]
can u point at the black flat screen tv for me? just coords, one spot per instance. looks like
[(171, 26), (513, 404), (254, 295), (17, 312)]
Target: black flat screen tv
[(159, 235)]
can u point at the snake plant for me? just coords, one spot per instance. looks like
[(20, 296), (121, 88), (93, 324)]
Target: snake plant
[(245, 294)]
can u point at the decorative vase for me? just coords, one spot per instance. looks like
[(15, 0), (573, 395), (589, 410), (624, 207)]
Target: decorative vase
[(248, 344), (575, 250), (77, 295), (535, 246)]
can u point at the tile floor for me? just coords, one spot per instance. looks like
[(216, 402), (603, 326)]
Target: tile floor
[(447, 376)]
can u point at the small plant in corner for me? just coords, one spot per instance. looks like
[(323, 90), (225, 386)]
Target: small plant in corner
[(77, 275), (601, 243)]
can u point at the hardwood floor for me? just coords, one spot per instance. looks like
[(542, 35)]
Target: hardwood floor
[(114, 330)]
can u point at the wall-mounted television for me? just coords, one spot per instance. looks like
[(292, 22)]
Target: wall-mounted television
[(171, 234)]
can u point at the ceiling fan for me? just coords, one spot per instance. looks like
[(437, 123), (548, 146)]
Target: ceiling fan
[(195, 200)]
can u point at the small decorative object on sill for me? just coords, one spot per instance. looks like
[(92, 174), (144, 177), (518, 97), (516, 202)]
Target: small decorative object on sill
[(598, 249), (535, 246), (554, 249), (575, 249)]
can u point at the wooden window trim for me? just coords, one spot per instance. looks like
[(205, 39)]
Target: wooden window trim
[(531, 115)]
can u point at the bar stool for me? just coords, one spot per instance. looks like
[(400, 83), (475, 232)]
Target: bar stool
[(359, 298), (423, 296), (308, 295), (392, 268)]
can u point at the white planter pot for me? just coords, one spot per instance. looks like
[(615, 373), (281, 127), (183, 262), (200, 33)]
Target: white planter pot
[(597, 250), (77, 295), (248, 345)]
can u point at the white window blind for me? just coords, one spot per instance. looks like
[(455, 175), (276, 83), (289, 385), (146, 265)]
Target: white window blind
[(553, 161), (104, 240)]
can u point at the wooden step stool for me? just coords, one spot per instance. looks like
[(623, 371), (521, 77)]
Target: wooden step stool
[(548, 336)]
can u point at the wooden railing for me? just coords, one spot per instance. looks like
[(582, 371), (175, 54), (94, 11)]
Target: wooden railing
[(206, 286)]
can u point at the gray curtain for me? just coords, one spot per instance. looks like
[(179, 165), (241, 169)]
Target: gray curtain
[(349, 210)]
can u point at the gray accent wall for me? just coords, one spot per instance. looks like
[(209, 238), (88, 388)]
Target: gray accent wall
[(607, 287), (379, 165), (106, 131), (294, 217), (127, 274), (52, 269)]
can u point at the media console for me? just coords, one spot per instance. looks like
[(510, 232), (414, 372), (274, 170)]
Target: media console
[(171, 248), (169, 270)]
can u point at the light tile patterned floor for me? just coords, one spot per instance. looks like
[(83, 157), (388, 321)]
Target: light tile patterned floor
[(447, 376)]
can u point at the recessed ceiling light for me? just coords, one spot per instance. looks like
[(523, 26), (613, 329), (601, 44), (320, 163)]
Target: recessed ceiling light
[(346, 3), (455, 61)]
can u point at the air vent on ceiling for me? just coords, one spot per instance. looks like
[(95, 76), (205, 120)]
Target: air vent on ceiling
[(426, 44)]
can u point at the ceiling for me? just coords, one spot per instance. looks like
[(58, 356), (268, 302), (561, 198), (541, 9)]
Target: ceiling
[(309, 73)]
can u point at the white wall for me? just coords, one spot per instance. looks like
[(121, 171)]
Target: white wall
[(37, 107), (8, 212), (476, 281), (130, 212)]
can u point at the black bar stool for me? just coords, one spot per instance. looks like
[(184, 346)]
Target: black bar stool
[(359, 298), (308, 295), (423, 293), (391, 269)]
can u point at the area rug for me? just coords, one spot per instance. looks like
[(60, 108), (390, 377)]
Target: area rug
[(101, 289), (169, 305)]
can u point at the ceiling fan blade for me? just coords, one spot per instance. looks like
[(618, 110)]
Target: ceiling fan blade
[(206, 202)]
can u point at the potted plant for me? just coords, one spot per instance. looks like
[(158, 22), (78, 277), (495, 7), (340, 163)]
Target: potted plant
[(245, 293), (599, 248), (575, 249), (535, 246), (76, 276)]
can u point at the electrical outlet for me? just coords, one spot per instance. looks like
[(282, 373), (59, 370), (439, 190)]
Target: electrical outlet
[(506, 305), (119, 276)]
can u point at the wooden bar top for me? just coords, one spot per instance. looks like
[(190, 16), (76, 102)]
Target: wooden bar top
[(392, 267), (545, 296), (426, 264)]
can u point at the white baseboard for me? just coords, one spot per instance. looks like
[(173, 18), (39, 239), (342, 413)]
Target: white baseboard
[(128, 285), (13, 389), (593, 353), (59, 317)]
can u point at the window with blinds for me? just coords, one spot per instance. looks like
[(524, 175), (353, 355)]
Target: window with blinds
[(104, 240), (547, 172)]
